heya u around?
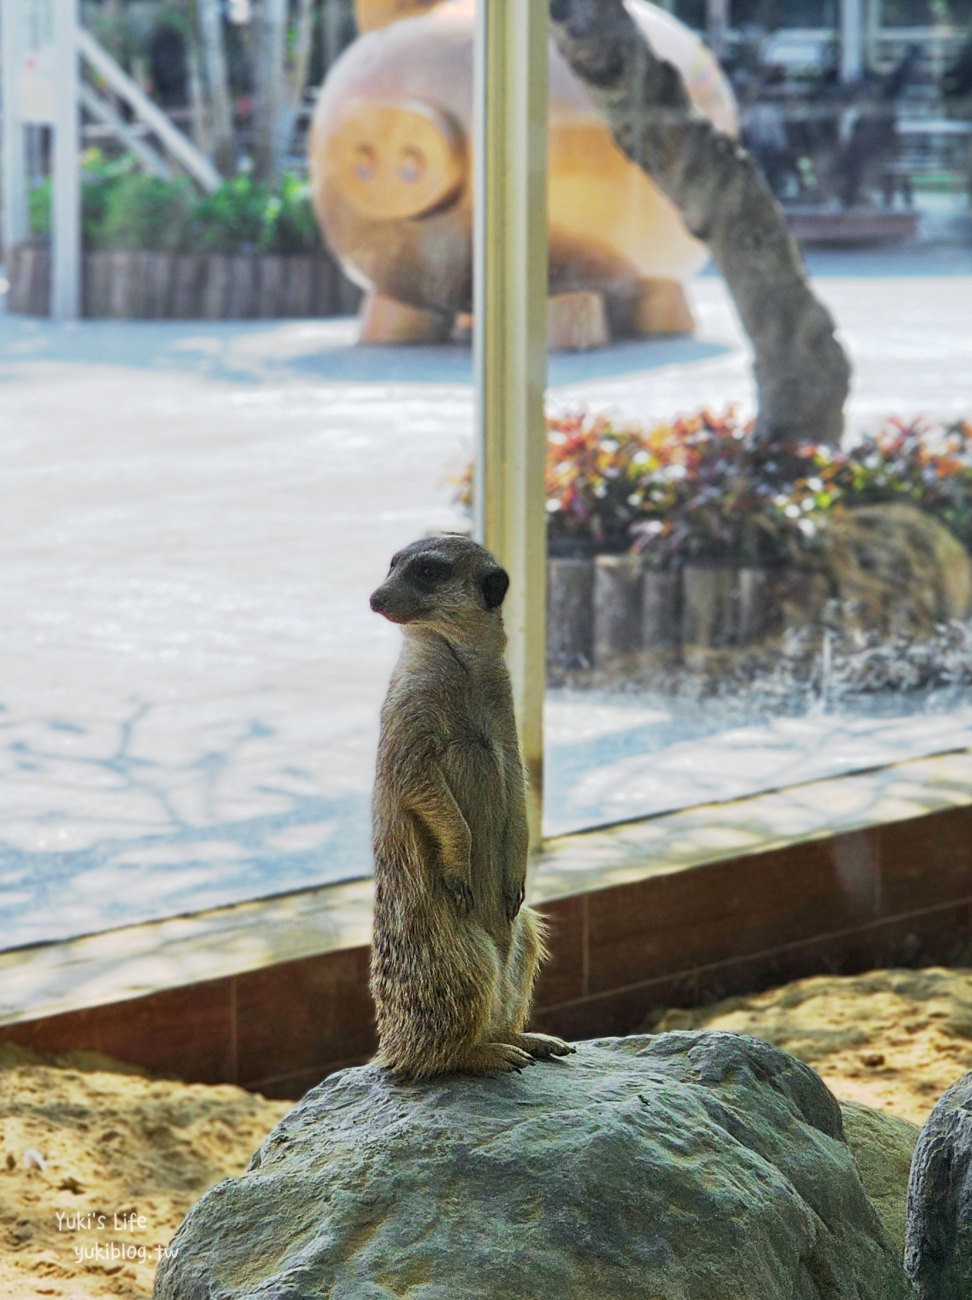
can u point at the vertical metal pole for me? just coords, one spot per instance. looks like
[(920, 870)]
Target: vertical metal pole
[(510, 306), (270, 19), (871, 25), (717, 26), (332, 21), (66, 223), (851, 41), (12, 144)]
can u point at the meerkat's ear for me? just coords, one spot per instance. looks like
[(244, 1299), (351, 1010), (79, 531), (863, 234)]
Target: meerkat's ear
[(495, 586)]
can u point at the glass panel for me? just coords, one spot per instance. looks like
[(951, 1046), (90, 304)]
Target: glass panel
[(925, 13), (725, 619), (196, 511), (769, 14)]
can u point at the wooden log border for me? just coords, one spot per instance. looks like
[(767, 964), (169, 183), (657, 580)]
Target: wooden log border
[(123, 285), (613, 611)]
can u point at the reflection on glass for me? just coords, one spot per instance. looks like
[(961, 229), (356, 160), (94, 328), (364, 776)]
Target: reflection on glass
[(195, 513), (725, 616), (198, 508)]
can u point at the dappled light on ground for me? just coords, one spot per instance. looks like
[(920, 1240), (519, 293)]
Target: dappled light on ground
[(172, 807)]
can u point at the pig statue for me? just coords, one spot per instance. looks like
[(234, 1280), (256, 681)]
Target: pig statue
[(391, 182)]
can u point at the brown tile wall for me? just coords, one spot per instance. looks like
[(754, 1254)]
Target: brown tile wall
[(899, 894)]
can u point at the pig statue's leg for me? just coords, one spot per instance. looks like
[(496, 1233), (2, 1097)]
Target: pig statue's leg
[(660, 307), (386, 320), (576, 321)]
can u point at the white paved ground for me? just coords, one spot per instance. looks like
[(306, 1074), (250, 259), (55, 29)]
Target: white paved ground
[(192, 519)]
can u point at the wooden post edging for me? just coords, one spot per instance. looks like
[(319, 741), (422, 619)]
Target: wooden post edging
[(614, 611), (156, 285)]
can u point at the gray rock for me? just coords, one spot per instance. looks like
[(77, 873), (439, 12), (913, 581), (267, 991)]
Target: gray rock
[(688, 1166), (883, 1146), (938, 1249)]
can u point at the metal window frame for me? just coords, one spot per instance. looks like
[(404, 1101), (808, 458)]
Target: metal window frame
[(65, 127), (510, 340), (66, 214)]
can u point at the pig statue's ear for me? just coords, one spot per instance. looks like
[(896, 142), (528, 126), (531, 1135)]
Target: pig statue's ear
[(372, 14)]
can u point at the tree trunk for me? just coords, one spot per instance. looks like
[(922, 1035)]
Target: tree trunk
[(270, 116), (303, 41), (802, 374), (208, 25), (198, 107), (296, 82)]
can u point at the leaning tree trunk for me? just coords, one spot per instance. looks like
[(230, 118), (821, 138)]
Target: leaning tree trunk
[(802, 374)]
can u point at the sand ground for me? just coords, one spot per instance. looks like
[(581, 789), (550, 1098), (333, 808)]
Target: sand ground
[(893, 1040), (114, 1143), (99, 1162)]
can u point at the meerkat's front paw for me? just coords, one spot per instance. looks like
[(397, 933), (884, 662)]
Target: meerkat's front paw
[(543, 1046), (459, 891), (486, 1057), (513, 901)]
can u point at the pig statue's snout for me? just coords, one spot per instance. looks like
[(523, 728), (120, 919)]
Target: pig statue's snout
[(394, 160)]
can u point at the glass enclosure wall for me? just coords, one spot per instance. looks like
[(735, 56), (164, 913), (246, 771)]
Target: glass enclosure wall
[(727, 617), (196, 511), (769, 14), (200, 504)]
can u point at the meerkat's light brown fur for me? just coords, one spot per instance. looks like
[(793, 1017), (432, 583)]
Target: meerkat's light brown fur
[(455, 953)]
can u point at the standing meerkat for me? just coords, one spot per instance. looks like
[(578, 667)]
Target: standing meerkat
[(455, 952)]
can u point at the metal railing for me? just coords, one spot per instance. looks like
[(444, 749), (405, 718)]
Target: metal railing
[(178, 146)]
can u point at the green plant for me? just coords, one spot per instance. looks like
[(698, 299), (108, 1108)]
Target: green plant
[(695, 489), (39, 209), (699, 489), (99, 175), (145, 212), (707, 493), (595, 471), (927, 465), (124, 208), (235, 218), (244, 215), (294, 223)]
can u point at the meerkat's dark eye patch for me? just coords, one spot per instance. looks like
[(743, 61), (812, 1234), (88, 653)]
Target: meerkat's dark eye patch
[(429, 571), (495, 587)]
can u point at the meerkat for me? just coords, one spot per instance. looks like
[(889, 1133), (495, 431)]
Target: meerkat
[(455, 952)]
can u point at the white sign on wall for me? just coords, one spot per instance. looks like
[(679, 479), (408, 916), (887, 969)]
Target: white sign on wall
[(37, 100)]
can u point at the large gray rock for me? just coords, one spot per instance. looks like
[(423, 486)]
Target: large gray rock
[(938, 1250), (883, 1146), (688, 1166)]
